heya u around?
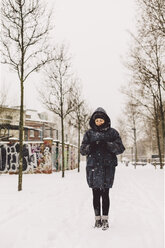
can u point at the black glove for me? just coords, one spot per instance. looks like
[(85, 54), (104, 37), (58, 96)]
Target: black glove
[(102, 145), (98, 144), (93, 146)]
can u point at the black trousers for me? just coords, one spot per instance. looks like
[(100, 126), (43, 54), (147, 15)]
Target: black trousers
[(97, 195)]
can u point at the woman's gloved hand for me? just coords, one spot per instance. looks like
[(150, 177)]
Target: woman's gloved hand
[(98, 145)]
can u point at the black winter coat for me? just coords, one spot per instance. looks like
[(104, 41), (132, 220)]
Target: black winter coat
[(101, 161)]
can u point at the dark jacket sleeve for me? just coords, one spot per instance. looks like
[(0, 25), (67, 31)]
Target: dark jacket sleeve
[(116, 146), (85, 146)]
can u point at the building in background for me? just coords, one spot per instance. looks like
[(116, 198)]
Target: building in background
[(41, 126), (37, 125), (9, 122)]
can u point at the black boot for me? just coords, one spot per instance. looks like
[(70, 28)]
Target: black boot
[(98, 222), (105, 224)]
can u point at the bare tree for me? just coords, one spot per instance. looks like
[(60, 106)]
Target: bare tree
[(151, 34), (86, 118), (25, 28), (149, 87), (80, 113), (122, 126), (132, 114), (153, 17), (147, 65), (148, 110), (57, 96)]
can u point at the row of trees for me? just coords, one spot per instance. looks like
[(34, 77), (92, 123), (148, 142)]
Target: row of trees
[(146, 92), (26, 28), (62, 95)]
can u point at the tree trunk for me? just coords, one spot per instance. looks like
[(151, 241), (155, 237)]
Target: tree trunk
[(63, 157), (162, 126), (22, 103), (78, 147), (57, 154), (21, 139), (135, 145), (135, 148), (160, 104), (158, 144), (157, 133)]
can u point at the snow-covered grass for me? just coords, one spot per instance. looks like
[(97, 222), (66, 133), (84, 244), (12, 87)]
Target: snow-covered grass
[(56, 212)]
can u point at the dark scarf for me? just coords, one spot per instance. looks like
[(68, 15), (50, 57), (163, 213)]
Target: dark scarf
[(104, 127)]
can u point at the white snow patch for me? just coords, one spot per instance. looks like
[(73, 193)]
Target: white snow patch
[(56, 212)]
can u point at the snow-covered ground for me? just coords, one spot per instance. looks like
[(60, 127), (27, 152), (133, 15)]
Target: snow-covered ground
[(56, 212)]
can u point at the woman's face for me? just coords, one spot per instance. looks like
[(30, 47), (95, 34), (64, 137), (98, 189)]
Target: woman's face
[(99, 121)]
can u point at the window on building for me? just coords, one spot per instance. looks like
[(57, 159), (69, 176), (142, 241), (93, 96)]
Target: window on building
[(31, 133), (39, 134)]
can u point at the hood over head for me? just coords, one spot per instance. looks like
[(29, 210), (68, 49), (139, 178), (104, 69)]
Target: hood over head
[(100, 113)]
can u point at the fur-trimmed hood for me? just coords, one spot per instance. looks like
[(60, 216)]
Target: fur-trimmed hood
[(101, 111)]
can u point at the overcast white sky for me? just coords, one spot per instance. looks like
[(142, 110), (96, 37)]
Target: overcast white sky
[(96, 32)]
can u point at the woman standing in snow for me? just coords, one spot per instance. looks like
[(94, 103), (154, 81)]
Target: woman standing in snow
[(101, 144)]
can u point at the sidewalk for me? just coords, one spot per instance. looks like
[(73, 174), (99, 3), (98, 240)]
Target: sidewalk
[(56, 212)]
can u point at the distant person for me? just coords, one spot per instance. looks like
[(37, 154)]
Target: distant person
[(101, 144)]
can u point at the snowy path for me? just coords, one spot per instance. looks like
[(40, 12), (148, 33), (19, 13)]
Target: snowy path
[(52, 212)]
